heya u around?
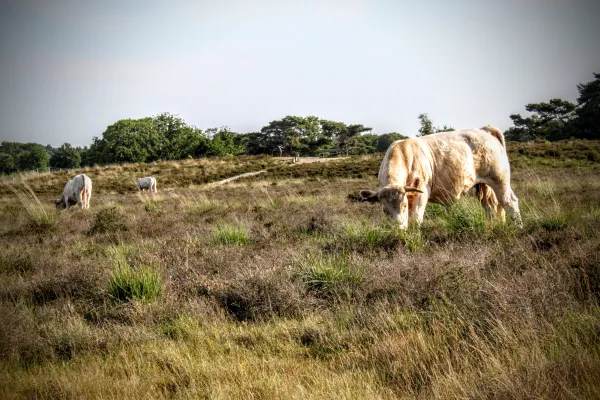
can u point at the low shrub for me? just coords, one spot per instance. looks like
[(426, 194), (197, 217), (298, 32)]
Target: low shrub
[(110, 219)]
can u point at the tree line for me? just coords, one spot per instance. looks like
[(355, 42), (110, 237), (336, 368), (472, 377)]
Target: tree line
[(559, 119), (168, 137)]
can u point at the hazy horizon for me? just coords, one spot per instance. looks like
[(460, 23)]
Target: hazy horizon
[(71, 68)]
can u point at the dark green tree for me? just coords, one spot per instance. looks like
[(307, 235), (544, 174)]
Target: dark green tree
[(32, 157), (444, 128), (588, 112), (362, 144), (554, 120), (223, 143), (350, 132), (7, 163), (66, 156), (426, 125), (385, 140)]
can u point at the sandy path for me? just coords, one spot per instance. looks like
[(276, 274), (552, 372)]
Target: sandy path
[(301, 160)]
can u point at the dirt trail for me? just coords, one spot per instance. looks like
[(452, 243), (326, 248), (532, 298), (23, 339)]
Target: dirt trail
[(233, 178), (301, 160)]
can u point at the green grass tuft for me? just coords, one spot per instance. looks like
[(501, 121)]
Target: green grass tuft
[(128, 284), (331, 276), (235, 235), (465, 216)]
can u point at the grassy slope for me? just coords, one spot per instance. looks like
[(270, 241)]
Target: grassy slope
[(283, 287)]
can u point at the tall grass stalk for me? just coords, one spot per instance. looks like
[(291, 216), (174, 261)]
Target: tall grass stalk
[(38, 212)]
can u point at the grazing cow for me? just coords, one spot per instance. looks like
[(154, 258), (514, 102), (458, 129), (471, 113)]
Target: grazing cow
[(441, 168), (77, 191), (148, 183)]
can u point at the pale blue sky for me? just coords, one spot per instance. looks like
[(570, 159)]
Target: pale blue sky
[(70, 68)]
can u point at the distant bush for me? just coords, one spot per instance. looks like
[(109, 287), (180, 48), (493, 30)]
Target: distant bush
[(593, 156)]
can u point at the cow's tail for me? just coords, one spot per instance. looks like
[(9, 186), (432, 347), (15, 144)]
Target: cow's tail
[(496, 133)]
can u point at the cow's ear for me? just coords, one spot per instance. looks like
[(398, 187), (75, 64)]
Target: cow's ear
[(369, 195), (414, 185)]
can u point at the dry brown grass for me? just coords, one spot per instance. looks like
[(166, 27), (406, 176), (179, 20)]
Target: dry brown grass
[(287, 288)]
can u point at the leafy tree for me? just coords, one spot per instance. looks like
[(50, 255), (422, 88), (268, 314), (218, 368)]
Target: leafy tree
[(362, 144), (350, 132), (85, 156), (66, 156), (384, 141), (588, 112), (255, 143), (7, 163), (554, 120), (223, 143), (426, 125), (32, 157), (444, 128)]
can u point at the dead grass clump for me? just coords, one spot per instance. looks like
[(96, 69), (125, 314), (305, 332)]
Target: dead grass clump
[(109, 220), (14, 260), (75, 283), (260, 296)]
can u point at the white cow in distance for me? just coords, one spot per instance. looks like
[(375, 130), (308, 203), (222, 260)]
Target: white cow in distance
[(441, 168), (147, 183), (77, 191)]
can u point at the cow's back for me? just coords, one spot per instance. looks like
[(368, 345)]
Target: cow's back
[(447, 163), (463, 158)]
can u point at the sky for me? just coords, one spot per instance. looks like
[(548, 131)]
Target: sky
[(70, 68)]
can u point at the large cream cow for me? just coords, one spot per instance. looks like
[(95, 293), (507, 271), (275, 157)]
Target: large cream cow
[(77, 191), (441, 168), (148, 183)]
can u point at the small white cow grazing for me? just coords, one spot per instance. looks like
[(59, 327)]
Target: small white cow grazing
[(441, 168), (77, 191), (148, 183)]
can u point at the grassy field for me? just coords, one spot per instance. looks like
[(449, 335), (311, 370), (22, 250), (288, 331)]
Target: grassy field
[(283, 286)]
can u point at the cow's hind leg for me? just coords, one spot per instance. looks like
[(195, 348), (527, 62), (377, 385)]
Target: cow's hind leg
[(87, 198), (81, 198), (489, 201)]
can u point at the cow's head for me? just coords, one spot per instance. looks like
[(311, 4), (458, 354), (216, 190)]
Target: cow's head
[(393, 199), (60, 204)]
